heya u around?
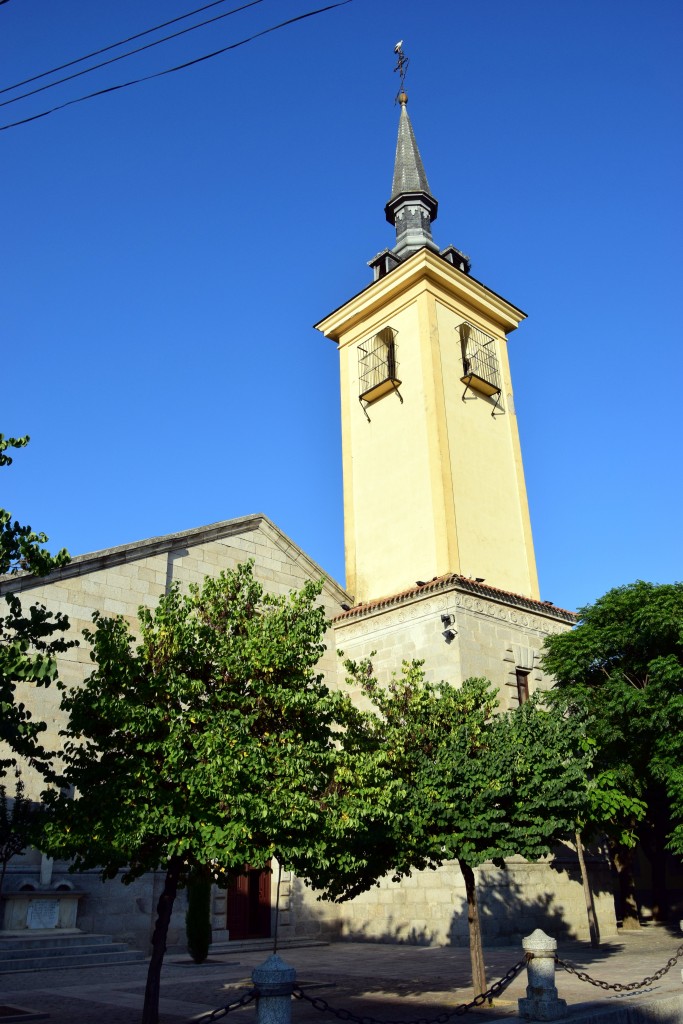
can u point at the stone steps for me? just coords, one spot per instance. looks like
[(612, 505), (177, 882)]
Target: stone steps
[(46, 952)]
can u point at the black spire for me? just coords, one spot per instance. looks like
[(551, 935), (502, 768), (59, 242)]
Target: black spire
[(412, 207)]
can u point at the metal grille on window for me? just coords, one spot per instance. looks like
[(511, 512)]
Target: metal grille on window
[(378, 365), (480, 370)]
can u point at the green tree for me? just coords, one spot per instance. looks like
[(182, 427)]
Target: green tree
[(29, 640), (211, 741), (609, 812), (624, 661), (436, 774)]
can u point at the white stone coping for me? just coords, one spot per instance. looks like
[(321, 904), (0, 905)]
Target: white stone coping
[(80, 565)]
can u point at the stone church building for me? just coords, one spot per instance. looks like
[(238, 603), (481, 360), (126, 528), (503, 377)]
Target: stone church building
[(439, 566)]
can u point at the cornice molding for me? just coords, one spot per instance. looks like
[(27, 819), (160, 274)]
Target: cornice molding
[(428, 266)]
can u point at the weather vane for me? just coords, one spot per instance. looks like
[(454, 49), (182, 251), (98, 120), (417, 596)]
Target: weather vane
[(402, 67)]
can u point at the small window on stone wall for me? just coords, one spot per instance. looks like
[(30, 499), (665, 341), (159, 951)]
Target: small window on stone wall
[(522, 685)]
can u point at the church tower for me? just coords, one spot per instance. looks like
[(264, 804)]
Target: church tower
[(433, 477)]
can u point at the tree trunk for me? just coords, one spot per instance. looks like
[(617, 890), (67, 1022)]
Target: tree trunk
[(622, 858), (150, 1010), (474, 926), (588, 895)]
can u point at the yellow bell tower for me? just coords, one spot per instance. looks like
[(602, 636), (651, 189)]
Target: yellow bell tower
[(433, 476)]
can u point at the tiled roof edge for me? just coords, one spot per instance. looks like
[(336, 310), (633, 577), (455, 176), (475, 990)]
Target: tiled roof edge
[(462, 583)]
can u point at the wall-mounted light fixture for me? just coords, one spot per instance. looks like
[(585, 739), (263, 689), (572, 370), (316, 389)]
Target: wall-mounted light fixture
[(448, 634)]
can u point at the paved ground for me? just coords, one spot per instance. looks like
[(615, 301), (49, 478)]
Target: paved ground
[(389, 982)]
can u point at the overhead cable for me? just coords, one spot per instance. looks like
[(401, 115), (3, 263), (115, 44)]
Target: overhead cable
[(177, 67), (121, 56)]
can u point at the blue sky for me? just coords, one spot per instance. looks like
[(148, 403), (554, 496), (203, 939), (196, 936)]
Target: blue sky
[(166, 249)]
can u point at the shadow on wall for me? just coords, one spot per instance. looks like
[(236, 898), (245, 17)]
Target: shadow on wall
[(394, 931), (429, 908), (506, 917), (600, 874), (508, 913), (597, 862)]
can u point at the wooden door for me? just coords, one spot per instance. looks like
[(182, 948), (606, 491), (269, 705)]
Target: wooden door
[(248, 905)]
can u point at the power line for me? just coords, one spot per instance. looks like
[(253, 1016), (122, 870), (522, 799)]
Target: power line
[(178, 67), (121, 56), (122, 42)]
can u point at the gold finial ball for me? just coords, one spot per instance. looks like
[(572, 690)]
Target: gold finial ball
[(402, 97)]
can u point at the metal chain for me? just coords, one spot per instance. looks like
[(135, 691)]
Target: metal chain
[(498, 986), (321, 1004), (630, 986), (223, 1011)]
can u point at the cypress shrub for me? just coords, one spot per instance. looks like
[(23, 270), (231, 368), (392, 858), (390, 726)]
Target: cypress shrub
[(198, 916)]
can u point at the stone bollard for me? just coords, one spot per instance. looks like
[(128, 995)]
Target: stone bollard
[(274, 981), (541, 1001)]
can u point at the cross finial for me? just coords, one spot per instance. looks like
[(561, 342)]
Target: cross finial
[(402, 67)]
